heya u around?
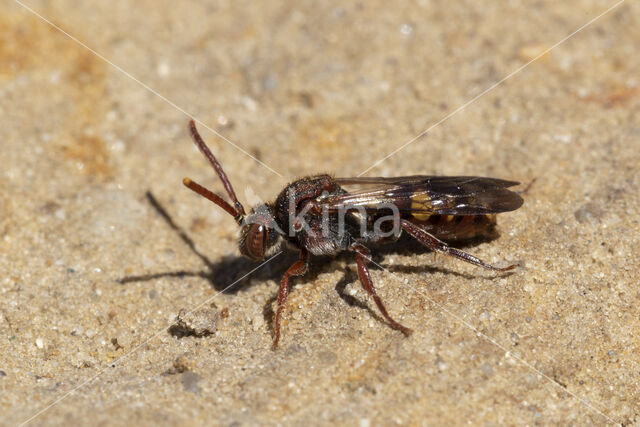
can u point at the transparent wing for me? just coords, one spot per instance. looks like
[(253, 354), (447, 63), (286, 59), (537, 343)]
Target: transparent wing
[(450, 195)]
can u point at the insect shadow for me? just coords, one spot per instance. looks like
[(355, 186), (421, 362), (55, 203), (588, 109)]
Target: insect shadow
[(227, 271), (230, 269)]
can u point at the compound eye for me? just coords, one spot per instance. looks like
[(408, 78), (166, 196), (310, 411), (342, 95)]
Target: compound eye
[(255, 241)]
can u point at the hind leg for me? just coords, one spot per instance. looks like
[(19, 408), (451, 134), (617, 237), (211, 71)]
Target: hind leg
[(434, 244)]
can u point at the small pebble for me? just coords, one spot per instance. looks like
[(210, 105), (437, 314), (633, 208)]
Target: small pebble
[(39, 343), (486, 369), (199, 323), (328, 358), (406, 29), (163, 69), (182, 364), (83, 360), (124, 339), (257, 322), (190, 381)]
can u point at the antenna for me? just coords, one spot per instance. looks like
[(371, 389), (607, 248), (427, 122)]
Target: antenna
[(238, 211)]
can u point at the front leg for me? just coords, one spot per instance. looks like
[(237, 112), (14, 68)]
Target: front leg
[(362, 255), (297, 269)]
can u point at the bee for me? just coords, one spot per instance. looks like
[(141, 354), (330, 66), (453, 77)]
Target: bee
[(323, 215)]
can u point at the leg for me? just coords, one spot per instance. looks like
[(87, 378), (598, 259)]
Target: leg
[(297, 269), (434, 244), (528, 187), (362, 256)]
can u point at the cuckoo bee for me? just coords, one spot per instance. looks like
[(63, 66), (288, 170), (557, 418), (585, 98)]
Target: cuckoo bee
[(323, 215)]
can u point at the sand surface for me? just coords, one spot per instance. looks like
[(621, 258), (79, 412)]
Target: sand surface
[(101, 247)]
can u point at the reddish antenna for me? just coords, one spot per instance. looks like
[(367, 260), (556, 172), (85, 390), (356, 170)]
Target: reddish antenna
[(238, 211)]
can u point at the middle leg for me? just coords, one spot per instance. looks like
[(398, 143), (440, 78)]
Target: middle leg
[(362, 255)]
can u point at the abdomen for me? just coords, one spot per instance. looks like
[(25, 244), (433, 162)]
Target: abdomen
[(457, 227)]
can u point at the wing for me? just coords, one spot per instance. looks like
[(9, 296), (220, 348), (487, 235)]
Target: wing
[(442, 195)]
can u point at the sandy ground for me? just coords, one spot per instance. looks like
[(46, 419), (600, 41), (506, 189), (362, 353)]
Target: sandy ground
[(101, 246)]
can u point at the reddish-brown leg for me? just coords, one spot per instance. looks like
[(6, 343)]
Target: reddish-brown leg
[(362, 256), (297, 269), (434, 244)]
